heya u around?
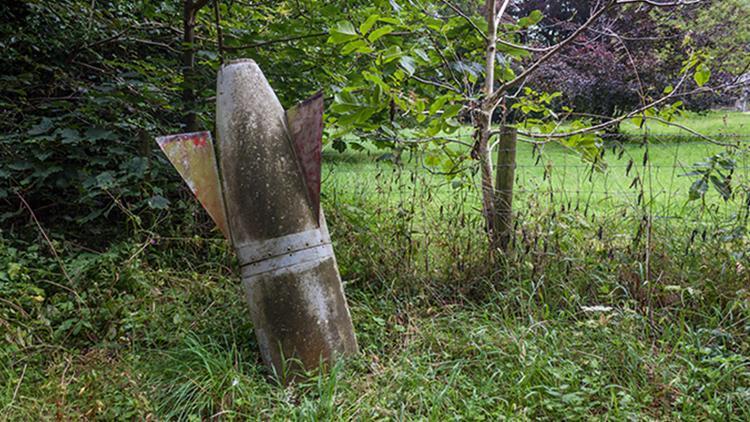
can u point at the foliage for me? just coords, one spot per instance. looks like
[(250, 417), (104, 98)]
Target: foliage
[(636, 52), (82, 100)]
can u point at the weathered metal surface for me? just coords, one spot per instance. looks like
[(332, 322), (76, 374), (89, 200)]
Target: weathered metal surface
[(192, 154), (289, 271), (261, 178), (300, 312), (305, 122)]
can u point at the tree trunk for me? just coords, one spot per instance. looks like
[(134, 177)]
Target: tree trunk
[(483, 126), (188, 64), (482, 153)]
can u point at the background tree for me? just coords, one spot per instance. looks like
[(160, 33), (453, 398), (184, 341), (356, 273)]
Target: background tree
[(619, 58)]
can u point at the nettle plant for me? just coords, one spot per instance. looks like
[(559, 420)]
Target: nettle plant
[(419, 73)]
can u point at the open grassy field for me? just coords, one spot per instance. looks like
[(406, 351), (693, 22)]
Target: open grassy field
[(558, 176), (585, 321)]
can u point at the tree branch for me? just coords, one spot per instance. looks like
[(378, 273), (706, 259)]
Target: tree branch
[(437, 84), (466, 17), (276, 41), (674, 94), (687, 129), (523, 47), (661, 3), (550, 136), (501, 12)]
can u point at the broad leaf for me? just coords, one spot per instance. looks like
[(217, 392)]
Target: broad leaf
[(342, 32), (702, 74)]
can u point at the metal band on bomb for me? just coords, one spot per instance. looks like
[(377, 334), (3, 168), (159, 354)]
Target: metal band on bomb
[(274, 254)]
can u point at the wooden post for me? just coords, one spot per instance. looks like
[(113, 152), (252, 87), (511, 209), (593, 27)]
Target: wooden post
[(505, 178)]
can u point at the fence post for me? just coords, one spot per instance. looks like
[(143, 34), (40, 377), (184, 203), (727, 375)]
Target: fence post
[(504, 180)]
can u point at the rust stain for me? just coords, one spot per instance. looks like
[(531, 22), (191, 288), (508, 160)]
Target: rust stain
[(192, 154)]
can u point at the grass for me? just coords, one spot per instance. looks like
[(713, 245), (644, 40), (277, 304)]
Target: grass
[(714, 123), (574, 326), (557, 175)]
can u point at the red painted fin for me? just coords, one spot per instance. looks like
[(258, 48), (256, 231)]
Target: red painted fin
[(305, 122), (192, 154)]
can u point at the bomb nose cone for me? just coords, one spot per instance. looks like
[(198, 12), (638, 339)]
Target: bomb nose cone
[(237, 61), (265, 194)]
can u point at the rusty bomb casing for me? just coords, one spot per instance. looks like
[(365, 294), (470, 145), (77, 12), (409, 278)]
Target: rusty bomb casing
[(269, 206)]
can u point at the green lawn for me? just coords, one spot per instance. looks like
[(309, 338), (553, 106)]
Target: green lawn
[(571, 181), (713, 123)]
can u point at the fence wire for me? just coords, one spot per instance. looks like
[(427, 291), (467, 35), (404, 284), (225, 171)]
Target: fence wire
[(638, 185)]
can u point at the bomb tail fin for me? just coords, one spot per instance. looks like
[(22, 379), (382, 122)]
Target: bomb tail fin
[(193, 155), (305, 123)]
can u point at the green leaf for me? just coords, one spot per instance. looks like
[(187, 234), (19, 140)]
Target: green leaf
[(377, 80), (507, 74), (408, 63), (702, 74), (105, 180), (342, 32), (158, 202), (451, 110), (339, 145), (422, 55), (355, 45), (438, 104), (367, 25), (391, 53), (698, 189), (43, 127), (383, 30), (69, 136), (724, 189), (533, 19), (97, 133), (432, 159)]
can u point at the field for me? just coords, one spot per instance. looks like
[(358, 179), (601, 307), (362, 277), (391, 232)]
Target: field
[(671, 153), (595, 316)]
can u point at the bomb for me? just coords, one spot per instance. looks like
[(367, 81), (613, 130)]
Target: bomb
[(260, 184)]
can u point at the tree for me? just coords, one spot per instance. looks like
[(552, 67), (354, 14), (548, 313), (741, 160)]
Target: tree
[(189, 11), (87, 95), (617, 58)]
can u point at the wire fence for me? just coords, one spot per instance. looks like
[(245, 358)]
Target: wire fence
[(673, 189)]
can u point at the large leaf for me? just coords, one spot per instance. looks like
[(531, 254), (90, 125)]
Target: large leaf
[(408, 64), (383, 30), (368, 24), (702, 74), (698, 189), (342, 32)]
